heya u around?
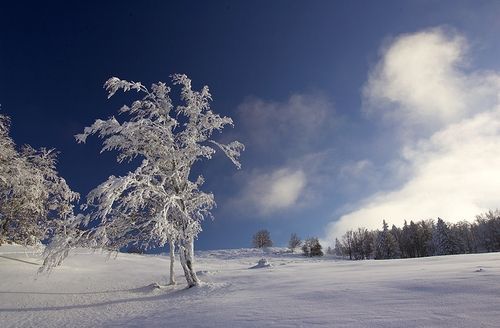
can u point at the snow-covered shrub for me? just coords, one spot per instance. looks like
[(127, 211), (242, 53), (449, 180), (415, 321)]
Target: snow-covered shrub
[(312, 247), (35, 202), (294, 242), (262, 239)]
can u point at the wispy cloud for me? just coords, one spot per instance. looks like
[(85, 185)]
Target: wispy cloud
[(285, 140), (296, 125), (447, 116), (267, 193), (356, 169)]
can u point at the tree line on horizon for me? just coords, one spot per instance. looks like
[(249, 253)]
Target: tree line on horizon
[(422, 238)]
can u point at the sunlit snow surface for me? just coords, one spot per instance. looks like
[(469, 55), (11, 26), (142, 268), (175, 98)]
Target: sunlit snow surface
[(91, 291)]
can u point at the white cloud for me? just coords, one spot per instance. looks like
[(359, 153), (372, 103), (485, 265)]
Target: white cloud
[(454, 167), (279, 190), (456, 176), (267, 193), (421, 82)]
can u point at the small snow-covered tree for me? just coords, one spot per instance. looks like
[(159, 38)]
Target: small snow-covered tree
[(338, 249), (35, 202), (294, 242), (262, 239), (158, 203), (312, 247), (386, 246)]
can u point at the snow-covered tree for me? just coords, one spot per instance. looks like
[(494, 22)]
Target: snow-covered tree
[(398, 236), (312, 247), (294, 242), (361, 244), (357, 244), (487, 231), (262, 238), (158, 202), (35, 202), (386, 246), (425, 246), (368, 244), (462, 234), (348, 244), (406, 240), (442, 239), (9, 170), (8, 159), (338, 249)]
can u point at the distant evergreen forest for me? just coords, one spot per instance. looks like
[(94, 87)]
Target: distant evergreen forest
[(422, 238)]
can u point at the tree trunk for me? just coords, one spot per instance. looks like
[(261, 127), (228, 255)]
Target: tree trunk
[(3, 232), (186, 255), (172, 260)]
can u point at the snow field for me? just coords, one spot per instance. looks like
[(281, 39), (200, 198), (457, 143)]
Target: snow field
[(90, 290)]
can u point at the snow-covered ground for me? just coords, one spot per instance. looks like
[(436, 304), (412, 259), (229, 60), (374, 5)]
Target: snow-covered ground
[(91, 291)]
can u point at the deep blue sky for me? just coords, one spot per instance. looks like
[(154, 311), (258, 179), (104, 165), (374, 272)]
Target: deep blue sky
[(55, 57)]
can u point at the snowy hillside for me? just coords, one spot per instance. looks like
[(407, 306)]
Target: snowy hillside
[(91, 291)]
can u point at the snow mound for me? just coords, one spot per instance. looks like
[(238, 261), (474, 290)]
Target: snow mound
[(206, 273), (154, 286), (263, 263)]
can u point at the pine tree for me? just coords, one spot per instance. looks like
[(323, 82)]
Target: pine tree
[(397, 233), (312, 247), (411, 236), (386, 245), (462, 234), (316, 248), (442, 239), (338, 250), (424, 239), (368, 245)]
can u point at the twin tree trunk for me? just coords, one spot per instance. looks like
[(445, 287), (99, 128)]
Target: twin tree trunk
[(186, 255), (186, 244), (172, 260), (3, 231)]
